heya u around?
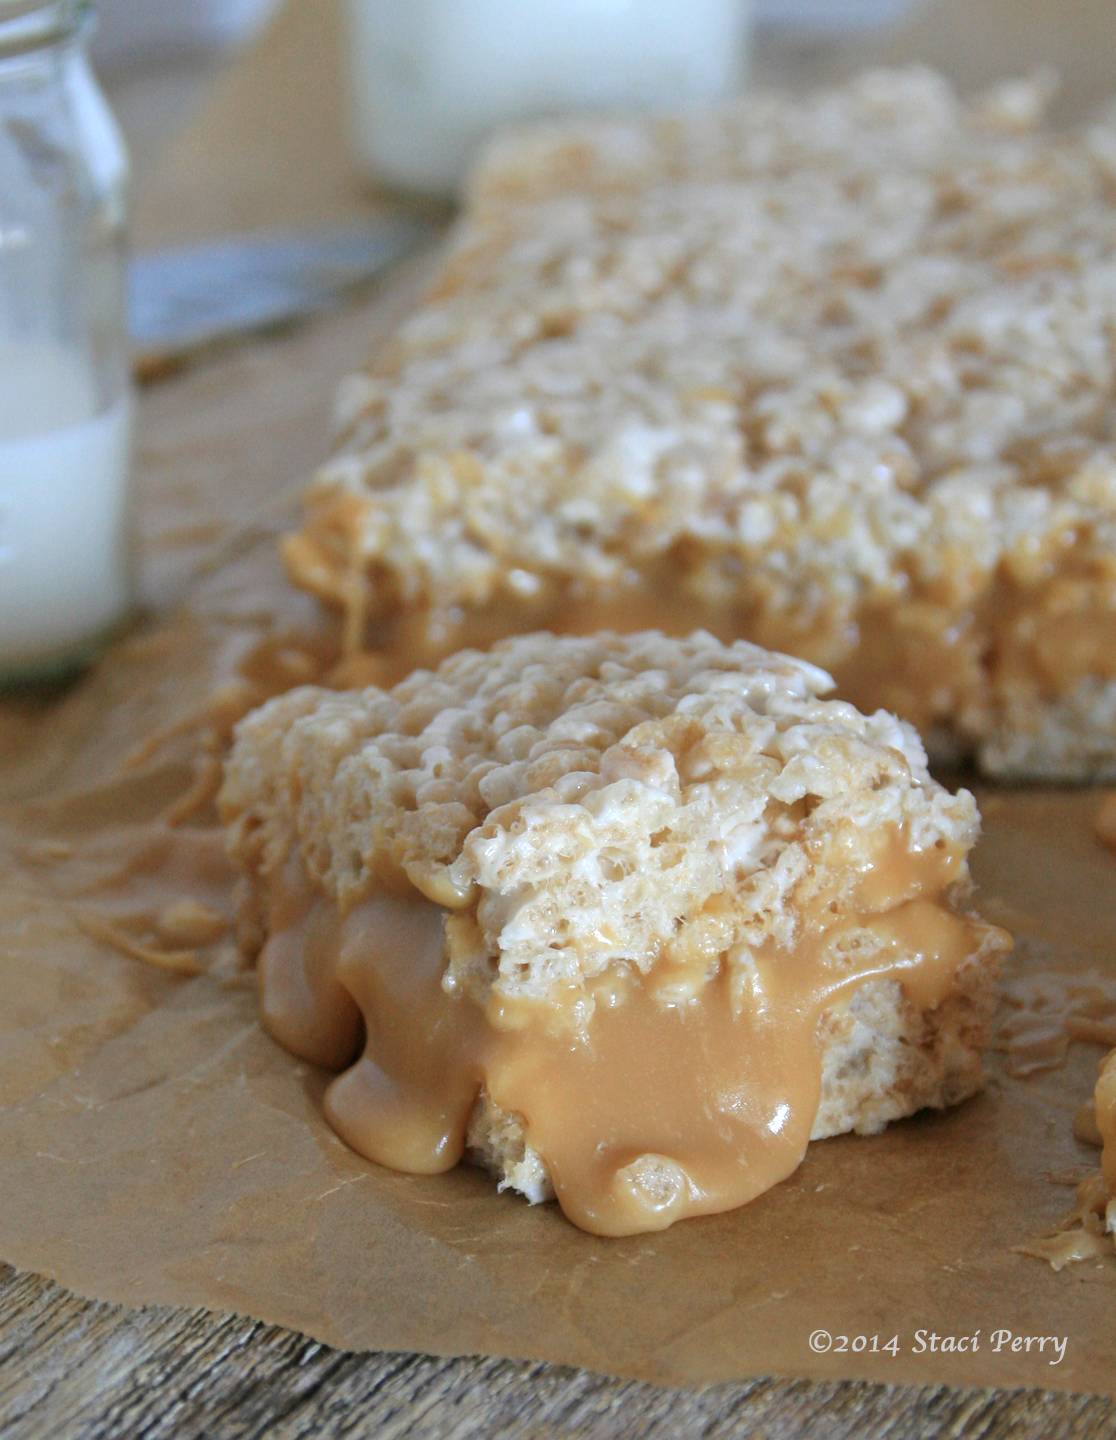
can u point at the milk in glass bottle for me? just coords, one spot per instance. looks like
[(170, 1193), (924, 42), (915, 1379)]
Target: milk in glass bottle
[(65, 401), (430, 78)]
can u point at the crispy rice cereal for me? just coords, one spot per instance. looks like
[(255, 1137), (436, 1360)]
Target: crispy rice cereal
[(833, 374), (637, 843)]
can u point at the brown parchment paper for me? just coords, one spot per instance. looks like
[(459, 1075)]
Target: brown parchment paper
[(155, 1146)]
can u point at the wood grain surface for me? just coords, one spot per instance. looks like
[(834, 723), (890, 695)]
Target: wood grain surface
[(69, 1368), (72, 1368)]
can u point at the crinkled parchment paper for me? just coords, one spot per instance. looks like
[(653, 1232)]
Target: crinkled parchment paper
[(155, 1145)]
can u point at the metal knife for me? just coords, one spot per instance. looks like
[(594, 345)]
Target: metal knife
[(180, 300)]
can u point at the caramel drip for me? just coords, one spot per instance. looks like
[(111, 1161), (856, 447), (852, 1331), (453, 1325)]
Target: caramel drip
[(303, 1003), (644, 1107), (407, 1100)]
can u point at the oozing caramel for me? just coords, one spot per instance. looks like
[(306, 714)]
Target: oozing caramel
[(304, 1005), (648, 1097)]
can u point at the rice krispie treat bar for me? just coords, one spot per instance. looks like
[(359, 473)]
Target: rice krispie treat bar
[(832, 374), (627, 919)]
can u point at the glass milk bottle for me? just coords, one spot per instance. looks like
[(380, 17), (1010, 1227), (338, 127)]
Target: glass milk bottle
[(65, 400), (429, 78)]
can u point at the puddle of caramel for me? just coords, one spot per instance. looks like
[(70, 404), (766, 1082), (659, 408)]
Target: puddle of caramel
[(645, 1107)]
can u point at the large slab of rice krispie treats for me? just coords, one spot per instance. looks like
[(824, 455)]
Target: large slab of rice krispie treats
[(833, 374), (627, 919)]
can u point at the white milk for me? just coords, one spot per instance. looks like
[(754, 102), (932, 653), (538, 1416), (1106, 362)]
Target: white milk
[(429, 78), (65, 545)]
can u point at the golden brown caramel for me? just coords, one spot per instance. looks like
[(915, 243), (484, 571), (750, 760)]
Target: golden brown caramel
[(649, 1097)]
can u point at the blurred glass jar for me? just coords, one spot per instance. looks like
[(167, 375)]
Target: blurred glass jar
[(429, 78), (65, 397)]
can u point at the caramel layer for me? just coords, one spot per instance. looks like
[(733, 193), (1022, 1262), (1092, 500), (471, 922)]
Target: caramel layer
[(935, 655), (649, 1097)]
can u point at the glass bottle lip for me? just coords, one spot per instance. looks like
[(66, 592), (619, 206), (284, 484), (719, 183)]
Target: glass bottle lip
[(29, 25)]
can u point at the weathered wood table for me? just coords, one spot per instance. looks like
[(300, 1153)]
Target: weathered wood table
[(71, 1368)]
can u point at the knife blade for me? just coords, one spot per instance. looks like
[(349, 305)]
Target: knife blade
[(180, 300)]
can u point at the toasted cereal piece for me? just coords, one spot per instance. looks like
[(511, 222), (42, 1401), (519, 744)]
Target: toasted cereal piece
[(832, 374), (628, 918)]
